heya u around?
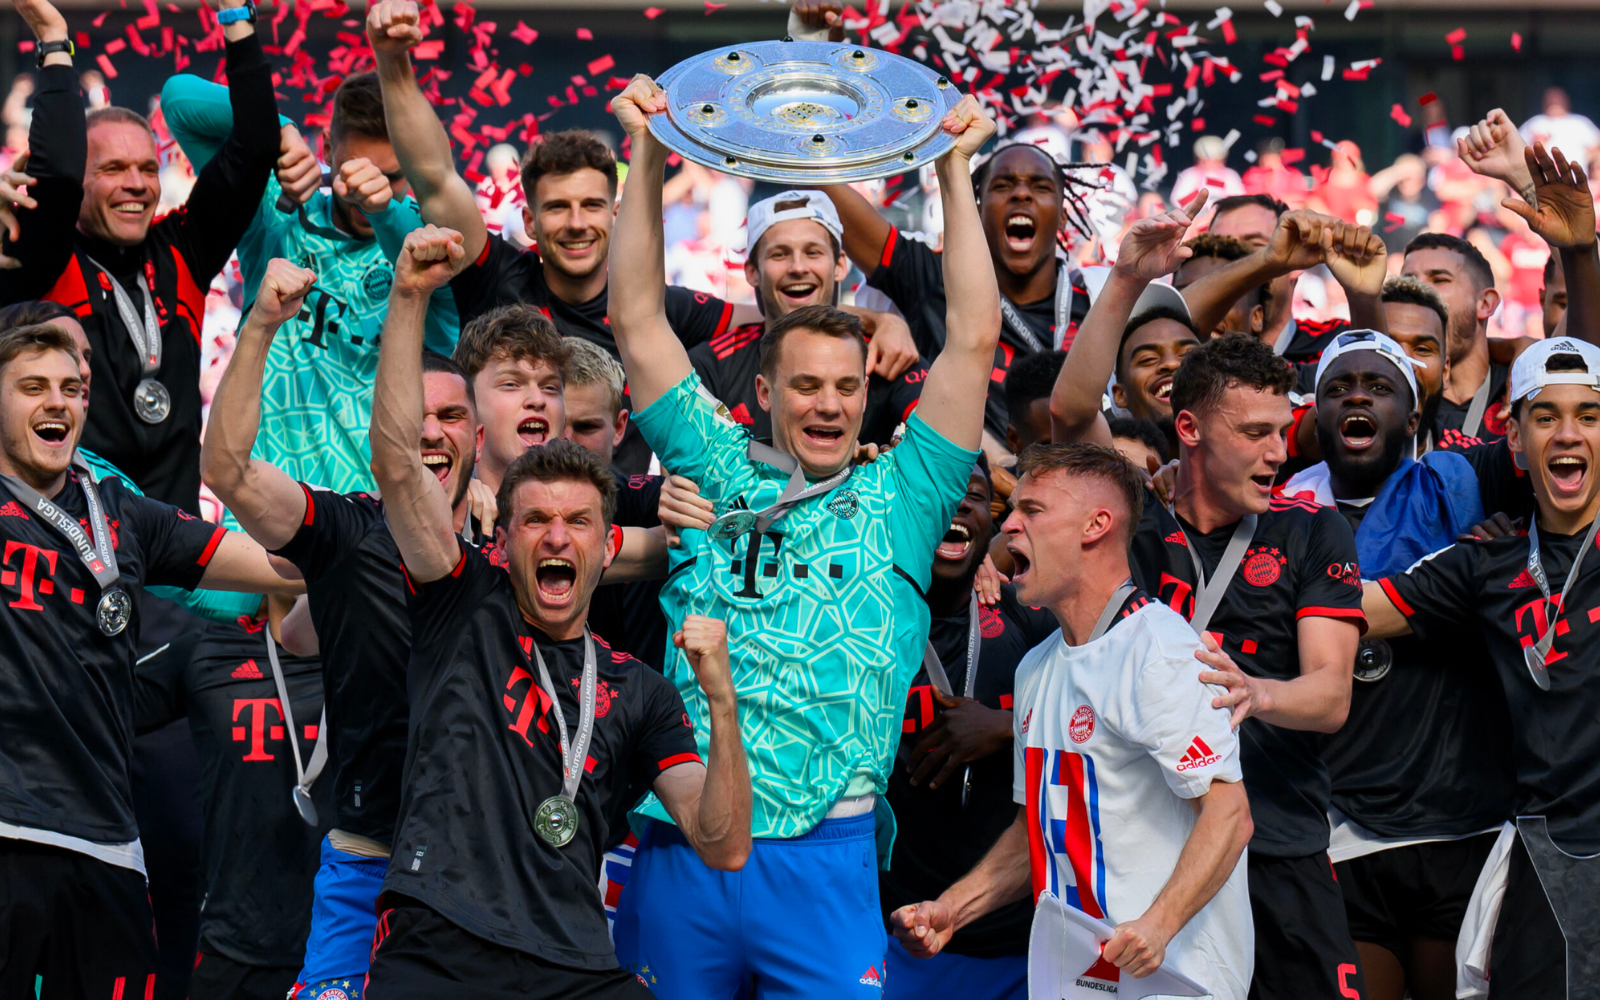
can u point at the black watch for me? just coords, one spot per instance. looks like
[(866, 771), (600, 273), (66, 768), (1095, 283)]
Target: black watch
[(231, 15), (43, 49)]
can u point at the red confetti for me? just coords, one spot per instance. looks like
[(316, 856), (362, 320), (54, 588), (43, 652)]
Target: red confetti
[(25, 45), (653, 12), (1393, 221), (1427, 99), (151, 18), (116, 45), (1457, 53), (1316, 136), (713, 7), (598, 66), (1516, 40), (428, 50), (1399, 115), (83, 40), (524, 34), (1457, 36), (585, 35), (105, 65), (1266, 120), (1228, 34), (1292, 155)]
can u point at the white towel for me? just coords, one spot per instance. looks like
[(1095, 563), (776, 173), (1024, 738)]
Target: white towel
[(1483, 910)]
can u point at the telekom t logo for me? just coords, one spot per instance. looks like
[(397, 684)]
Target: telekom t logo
[(257, 707), (30, 569)]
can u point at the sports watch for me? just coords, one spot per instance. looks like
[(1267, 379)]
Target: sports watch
[(49, 48), (231, 14)]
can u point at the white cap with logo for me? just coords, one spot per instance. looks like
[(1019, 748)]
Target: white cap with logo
[(1383, 345), (763, 215), (1530, 372)]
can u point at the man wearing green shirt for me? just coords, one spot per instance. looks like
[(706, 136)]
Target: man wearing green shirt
[(822, 592)]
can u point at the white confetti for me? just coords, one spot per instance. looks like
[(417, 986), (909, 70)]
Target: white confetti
[(1273, 7), (1223, 14), (1305, 23), (1231, 138), (1308, 90), (1327, 67), (1350, 11)]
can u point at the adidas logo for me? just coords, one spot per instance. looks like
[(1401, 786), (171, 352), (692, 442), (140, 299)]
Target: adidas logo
[(247, 671), (741, 414), (11, 509), (871, 977), (1176, 538), (1198, 755), (1524, 579), (1027, 720)]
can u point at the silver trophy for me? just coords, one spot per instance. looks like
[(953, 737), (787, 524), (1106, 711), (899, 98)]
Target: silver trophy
[(805, 113)]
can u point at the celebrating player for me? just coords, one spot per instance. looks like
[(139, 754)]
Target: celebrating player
[(1117, 742), (502, 821), (819, 568)]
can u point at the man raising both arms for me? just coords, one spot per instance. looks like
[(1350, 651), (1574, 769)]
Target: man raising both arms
[(822, 589), (502, 821), (1274, 583), (1117, 737)]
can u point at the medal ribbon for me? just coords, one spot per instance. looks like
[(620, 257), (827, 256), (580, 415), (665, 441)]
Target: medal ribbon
[(1063, 301), (96, 554), (303, 776), (573, 757), (146, 335), (937, 676), (1541, 649), (1208, 594), (796, 490), (1110, 613), (1475, 410)]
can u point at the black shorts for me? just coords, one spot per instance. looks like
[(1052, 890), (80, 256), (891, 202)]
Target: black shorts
[(1303, 945), (419, 955), (1528, 957), (1395, 896), (217, 977), (77, 922)]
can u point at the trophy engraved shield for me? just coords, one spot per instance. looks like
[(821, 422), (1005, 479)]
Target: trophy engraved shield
[(805, 112)]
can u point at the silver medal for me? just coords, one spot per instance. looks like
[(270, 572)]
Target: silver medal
[(151, 401), (114, 610), (1535, 657), (302, 802), (1374, 657), (734, 524), (556, 820)]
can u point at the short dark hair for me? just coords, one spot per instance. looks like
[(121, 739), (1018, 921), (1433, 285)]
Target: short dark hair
[(117, 116), (33, 312), (1218, 246), (826, 320), (1414, 291), (20, 340), (1150, 315), (1220, 364), (567, 152), (433, 361), (1238, 201), (358, 109), (1083, 459), (517, 331), (1550, 264), (1032, 377), (558, 461), (1142, 430), (1477, 264)]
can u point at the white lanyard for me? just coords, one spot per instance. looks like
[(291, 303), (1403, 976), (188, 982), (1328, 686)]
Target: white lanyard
[(1208, 593), (146, 335), (735, 523), (1063, 303), (1536, 653), (937, 675), (1477, 408), (1110, 612), (303, 776)]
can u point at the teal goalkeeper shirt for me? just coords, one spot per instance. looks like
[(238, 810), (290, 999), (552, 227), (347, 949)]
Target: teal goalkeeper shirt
[(316, 397), (826, 615)]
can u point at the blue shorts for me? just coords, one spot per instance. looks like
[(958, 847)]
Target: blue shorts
[(954, 976), (344, 912), (801, 917)]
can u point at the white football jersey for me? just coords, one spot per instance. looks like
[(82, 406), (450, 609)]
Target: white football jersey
[(1112, 738)]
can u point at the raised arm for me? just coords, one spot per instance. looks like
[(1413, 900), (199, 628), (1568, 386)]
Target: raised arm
[(710, 802), (267, 502), (1494, 148), (1359, 262), (413, 500), (420, 143), (240, 563), (651, 355), (1562, 214), (958, 380), (641, 556), (1152, 248), (1295, 246), (865, 231)]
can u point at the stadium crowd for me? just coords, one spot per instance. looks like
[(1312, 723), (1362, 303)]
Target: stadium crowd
[(737, 627)]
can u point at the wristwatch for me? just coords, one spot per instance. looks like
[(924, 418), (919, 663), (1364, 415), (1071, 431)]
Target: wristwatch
[(231, 14), (47, 48)]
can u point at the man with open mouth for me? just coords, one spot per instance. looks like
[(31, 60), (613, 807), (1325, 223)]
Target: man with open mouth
[(514, 779), (819, 567), (80, 551), (1272, 582), (951, 784), (1422, 776), (1511, 595)]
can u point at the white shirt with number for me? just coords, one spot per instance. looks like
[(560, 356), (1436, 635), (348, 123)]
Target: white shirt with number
[(1112, 738)]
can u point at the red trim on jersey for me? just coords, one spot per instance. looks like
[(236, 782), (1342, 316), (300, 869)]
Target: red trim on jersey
[(888, 247), (190, 296), (1296, 502), (913, 405), (70, 290), (311, 507), (460, 564), (1399, 602), (1316, 612), (678, 758), (727, 317), (616, 534), (211, 546), (406, 575), (483, 254), (1294, 429)]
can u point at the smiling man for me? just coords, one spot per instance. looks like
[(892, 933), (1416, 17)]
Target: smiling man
[(1502, 594), (1421, 770), (138, 285), (819, 568), (506, 809), (1474, 409), (1272, 582)]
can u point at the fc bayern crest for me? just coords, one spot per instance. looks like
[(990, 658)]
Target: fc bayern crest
[(1082, 725), (844, 504), (376, 282), (1263, 567)]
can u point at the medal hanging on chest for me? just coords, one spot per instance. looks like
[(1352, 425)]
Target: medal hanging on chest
[(737, 523), (556, 819), (1536, 653), (97, 554), (152, 402)]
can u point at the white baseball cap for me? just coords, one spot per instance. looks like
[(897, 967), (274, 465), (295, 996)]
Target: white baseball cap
[(1383, 345), (1529, 373), (763, 215)]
